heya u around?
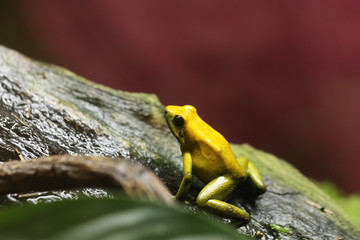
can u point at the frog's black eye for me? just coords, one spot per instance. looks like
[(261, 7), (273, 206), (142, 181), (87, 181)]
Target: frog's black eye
[(178, 121)]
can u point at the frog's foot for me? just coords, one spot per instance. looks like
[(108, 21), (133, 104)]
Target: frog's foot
[(227, 210)]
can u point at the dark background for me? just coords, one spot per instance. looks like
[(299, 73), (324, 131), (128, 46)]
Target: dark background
[(283, 76)]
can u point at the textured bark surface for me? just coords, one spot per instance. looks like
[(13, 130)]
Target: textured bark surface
[(46, 110)]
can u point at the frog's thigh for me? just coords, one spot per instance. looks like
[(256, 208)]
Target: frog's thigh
[(219, 188), (213, 194)]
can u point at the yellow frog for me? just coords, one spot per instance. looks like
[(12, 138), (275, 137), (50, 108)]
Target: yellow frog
[(208, 155)]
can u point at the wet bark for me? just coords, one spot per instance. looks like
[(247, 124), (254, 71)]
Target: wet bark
[(46, 110)]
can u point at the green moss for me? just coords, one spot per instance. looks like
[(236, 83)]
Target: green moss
[(279, 228), (349, 203), (283, 172)]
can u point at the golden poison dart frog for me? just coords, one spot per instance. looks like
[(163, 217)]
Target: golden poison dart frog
[(208, 155)]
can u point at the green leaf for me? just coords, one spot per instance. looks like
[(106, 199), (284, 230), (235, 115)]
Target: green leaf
[(121, 218)]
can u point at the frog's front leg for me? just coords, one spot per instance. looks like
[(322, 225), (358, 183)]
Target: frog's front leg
[(185, 183), (212, 197)]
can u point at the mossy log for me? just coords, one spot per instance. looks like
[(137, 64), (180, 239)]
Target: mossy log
[(46, 110)]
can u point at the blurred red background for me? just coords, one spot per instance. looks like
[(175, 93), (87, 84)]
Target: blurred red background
[(283, 76)]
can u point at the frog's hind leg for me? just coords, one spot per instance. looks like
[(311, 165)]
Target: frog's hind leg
[(212, 197), (253, 175), (256, 178)]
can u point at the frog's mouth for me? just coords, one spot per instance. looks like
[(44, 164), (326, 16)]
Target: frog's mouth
[(168, 123)]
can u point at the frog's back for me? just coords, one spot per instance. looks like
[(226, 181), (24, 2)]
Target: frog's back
[(212, 154)]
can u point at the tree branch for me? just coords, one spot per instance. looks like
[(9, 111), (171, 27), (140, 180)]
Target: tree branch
[(68, 172)]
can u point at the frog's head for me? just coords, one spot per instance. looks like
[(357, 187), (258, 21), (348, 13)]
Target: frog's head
[(177, 118)]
